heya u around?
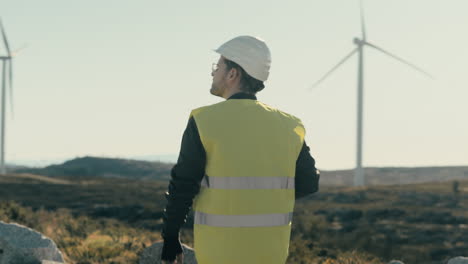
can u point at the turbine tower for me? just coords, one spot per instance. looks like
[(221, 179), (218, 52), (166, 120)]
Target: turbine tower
[(361, 43), (7, 74)]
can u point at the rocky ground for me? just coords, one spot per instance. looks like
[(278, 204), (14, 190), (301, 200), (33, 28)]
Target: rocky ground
[(415, 223), (419, 223)]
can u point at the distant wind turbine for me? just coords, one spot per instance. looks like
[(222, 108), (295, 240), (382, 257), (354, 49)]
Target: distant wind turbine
[(360, 43), (7, 74)]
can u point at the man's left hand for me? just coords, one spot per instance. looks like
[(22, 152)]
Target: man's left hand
[(179, 260), (172, 252)]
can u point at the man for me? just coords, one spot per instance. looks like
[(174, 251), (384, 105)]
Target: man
[(244, 162)]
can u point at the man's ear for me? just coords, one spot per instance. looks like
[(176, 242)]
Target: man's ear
[(233, 73)]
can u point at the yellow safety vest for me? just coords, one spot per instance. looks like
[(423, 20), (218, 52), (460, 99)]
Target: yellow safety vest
[(244, 209)]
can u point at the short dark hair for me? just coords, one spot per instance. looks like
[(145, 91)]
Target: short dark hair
[(248, 83)]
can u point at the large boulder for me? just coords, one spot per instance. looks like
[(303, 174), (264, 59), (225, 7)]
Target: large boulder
[(22, 245), (152, 254), (458, 260)]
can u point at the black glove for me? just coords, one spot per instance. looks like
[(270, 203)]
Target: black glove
[(171, 249)]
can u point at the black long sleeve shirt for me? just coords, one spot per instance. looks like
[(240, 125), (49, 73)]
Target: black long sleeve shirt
[(188, 173)]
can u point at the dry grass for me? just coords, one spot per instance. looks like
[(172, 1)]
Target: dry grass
[(89, 238)]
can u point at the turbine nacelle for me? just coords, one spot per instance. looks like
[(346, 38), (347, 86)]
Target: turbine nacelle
[(359, 42)]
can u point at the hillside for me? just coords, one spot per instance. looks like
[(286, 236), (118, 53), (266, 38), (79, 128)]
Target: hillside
[(136, 169), (105, 168), (395, 175), (416, 223)]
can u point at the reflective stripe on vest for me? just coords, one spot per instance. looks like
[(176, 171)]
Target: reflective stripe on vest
[(259, 220), (263, 220), (248, 182)]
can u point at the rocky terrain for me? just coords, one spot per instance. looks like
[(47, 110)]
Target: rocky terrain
[(416, 223), (423, 222)]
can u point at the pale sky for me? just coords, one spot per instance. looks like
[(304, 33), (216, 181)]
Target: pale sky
[(119, 78)]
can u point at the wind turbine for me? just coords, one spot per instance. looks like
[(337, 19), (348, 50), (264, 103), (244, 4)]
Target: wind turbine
[(361, 43), (7, 66)]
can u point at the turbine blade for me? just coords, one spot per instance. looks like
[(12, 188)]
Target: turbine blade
[(334, 68), (363, 24), (399, 59), (5, 39)]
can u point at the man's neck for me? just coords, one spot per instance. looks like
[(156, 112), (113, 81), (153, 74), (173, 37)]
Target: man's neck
[(243, 95), (231, 92)]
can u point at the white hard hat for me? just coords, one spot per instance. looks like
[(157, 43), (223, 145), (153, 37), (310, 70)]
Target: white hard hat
[(251, 53)]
